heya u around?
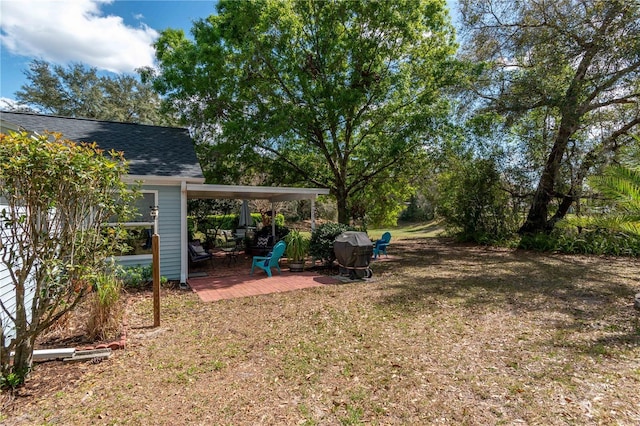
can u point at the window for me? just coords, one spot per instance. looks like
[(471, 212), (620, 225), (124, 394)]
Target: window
[(139, 229)]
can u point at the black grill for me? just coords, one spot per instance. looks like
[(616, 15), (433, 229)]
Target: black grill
[(353, 252)]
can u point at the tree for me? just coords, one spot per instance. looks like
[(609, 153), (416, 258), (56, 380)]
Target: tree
[(473, 202), (52, 240), (78, 91), (571, 65), (335, 94)]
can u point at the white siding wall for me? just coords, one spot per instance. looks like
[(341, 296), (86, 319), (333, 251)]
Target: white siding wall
[(7, 294), (169, 231)]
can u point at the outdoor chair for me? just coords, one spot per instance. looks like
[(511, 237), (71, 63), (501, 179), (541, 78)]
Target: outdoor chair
[(380, 246), (271, 260), (197, 253), (231, 247)]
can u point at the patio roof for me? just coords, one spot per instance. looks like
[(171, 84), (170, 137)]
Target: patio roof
[(271, 193)]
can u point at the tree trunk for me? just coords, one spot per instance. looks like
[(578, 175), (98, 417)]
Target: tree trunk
[(23, 358), (563, 209), (343, 209), (537, 218)]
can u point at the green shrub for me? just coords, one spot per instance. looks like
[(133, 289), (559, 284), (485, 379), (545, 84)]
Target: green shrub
[(539, 242), (322, 238), (105, 320), (473, 203), (297, 245), (599, 241), (573, 240), (418, 210), (135, 276), (12, 380)]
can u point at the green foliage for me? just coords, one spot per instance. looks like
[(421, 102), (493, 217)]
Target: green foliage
[(564, 77), (473, 203), (569, 239), (611, 229), (69, 191), (322, 238), (539, 242), (106, 310), (341, 95), (418, 210), (12, 380), (297, 245), (78, 91), (135, 276), (620, 186)]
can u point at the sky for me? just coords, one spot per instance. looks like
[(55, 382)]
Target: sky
[(113, 36)]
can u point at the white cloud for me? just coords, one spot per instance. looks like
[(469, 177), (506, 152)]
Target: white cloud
[(75, 31), (8, 104)]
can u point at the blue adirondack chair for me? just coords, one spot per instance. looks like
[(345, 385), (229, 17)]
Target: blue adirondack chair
[(271, 260), (380, 246)]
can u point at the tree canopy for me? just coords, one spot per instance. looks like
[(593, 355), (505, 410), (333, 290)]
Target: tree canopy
[(78, 91), (338, 94), (564, 77)]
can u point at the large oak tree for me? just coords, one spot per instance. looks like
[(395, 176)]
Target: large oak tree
[(337, 94), (565, 75)]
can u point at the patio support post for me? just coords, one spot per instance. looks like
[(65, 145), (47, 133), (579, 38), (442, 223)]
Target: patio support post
[(313, 214), (184, 261), (273, 220)]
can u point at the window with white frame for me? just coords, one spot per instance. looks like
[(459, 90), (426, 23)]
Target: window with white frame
[(139, 229)]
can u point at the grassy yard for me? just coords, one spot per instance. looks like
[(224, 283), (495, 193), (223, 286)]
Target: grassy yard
[(444, 334)]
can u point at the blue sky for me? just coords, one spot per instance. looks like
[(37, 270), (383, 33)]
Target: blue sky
[(113, 36), (109, 35)]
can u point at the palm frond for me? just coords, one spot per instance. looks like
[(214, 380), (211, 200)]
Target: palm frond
[(619, 183)]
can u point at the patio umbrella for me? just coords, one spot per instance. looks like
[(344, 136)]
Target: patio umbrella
[(245, 219)]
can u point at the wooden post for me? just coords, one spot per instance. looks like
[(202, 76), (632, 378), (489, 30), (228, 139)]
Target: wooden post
[(155, 249)]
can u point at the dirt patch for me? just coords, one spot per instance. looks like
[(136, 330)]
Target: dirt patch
[(445, 334)]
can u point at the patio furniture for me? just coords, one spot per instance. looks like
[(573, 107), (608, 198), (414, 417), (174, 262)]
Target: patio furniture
[(197, 253), (271, 260), (261, 245), (231, 248), (380, 246)]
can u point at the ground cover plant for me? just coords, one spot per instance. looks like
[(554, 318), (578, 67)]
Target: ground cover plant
[(445, 334)]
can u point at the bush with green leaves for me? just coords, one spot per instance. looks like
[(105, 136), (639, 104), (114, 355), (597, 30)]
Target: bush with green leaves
[(418, 210), (59, 195), (322, 238), (570, 239), (137, 277), (473, 203)]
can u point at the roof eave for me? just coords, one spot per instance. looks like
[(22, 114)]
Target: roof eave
[(162, 180)]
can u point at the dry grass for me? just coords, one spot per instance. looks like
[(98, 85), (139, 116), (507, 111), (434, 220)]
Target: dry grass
[(448, 334)]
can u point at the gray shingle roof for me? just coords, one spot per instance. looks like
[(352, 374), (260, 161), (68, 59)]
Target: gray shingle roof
[(150, 150)]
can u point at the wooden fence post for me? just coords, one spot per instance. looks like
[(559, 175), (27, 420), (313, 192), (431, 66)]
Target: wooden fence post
[(155, 249)]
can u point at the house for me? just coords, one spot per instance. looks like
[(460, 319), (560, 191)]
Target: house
[(163, 159)]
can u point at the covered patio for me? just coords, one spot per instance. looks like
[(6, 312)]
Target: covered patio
[(240, 192), (225, 278)]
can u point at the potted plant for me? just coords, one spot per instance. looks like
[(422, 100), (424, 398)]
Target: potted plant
[(297, 249)]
